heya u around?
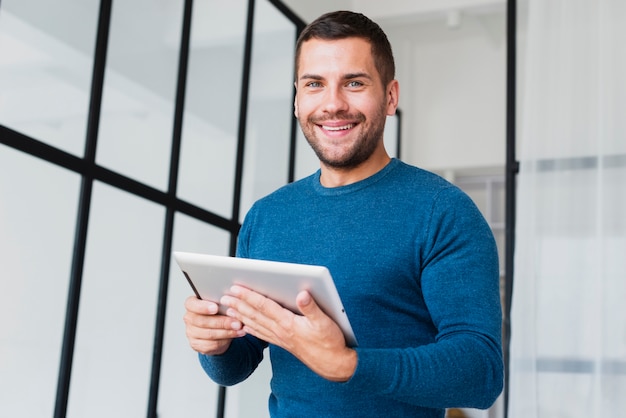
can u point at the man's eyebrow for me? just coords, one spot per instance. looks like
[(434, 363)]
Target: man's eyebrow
[(348, 76), (311, 77), (351, 76)]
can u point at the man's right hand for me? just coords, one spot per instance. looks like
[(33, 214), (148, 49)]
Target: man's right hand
[(208, 331)]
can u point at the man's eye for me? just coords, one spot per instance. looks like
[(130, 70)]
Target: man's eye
[(314, 84), (355, 84)]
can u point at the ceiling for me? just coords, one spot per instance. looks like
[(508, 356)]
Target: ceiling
[(398, 12)]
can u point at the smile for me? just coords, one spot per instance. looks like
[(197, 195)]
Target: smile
[(338, 128)]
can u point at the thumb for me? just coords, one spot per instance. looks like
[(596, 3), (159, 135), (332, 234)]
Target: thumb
[(307, 305)]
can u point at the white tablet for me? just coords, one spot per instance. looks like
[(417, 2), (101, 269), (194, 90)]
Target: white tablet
[(211, 276)]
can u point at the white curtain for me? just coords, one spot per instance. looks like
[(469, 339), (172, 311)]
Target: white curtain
[(568, 348)]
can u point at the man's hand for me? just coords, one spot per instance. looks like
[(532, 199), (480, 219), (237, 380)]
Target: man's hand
[(207, 331), (313, 337)]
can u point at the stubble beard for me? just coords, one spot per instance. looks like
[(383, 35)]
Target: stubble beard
[(360, 150)]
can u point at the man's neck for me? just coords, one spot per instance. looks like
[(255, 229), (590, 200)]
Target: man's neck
[(336, 177)]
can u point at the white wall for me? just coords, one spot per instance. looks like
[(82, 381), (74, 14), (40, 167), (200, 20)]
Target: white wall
[(452, 84), (452, 92)]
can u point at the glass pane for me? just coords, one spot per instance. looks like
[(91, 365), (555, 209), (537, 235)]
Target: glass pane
[(211, 121), (306, 160), (114, 341), (498, 204), (185, 390), (270, 106), (391, 135), (565, 395), (37, 220), (46, 51), (140, 87)]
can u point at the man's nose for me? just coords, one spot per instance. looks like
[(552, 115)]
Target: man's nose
[(335, 100)]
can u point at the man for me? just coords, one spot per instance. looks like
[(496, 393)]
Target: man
[(412, 258)]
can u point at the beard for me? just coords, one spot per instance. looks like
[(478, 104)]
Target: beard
[(354, 153)]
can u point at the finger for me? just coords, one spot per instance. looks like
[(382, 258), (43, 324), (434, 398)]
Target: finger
[(211, 321), (315, 316), (252, 305), (199, 306), (213, 334), (256, 300), (210, 347), (261, 316), (238, 310), (307, 305)]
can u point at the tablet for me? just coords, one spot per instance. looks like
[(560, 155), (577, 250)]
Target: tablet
[(211, 276)]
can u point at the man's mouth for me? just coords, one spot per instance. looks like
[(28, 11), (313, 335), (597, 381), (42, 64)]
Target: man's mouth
[(337, 128)]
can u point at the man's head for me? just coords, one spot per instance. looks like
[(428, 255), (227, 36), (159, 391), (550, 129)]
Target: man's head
[(345, 89), (345, 24)]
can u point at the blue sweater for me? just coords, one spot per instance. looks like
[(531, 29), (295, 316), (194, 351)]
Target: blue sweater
[(416, 267)]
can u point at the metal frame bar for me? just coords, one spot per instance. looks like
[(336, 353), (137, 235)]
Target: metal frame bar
[(399, 134), (511, 171), (78, 165), (78, 258), (243, 119), (168, 233)]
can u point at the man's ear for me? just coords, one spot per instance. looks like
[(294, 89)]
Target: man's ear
[(393, 95)]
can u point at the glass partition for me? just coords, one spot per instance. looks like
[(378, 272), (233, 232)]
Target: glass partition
[(136, 120), (36, 238), (212, 101), (186, 391), (107, 363), (391, 135), (270, 105), (46, 60), (306, 160), (115, 332)]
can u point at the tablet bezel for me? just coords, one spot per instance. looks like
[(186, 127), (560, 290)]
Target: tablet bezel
[(211, 276)]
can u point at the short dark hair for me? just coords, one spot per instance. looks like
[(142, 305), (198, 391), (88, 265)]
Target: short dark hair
[(345, 24)]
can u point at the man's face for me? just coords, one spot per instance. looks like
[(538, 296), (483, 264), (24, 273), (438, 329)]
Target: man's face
[(341, 103)]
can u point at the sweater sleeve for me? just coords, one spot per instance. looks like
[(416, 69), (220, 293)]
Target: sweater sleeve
[(237, 363), (460, 284)]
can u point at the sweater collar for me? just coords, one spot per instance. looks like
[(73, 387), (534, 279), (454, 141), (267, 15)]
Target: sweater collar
[(353, 187)]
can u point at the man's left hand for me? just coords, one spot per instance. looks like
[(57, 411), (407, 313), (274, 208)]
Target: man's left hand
[(313, 337)]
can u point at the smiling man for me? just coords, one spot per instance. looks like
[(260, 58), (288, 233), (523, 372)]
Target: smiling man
[(413, 260), (342, 103)]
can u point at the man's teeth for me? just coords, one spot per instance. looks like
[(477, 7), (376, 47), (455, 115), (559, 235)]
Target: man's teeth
[(338, 128)]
